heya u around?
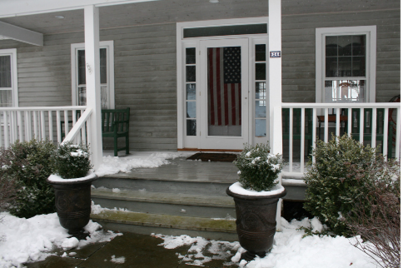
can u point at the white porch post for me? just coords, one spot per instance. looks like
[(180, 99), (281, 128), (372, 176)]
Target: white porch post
[(93, 81), (275, 85)]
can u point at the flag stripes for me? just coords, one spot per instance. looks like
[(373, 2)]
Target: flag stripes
[(224, 96)]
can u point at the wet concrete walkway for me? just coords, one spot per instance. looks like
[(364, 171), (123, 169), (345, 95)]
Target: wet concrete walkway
[(140, 251)]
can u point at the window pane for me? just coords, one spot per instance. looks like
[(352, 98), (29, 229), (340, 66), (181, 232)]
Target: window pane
[(358, 45), (103, 97), (6, 99), (260, 127), (191, 109), (345, 56), (260, 90), (331, 46), (81, 96), (5, 71), (103, 66), (345, 91), (344, 43), (191, 74), (191, 92), (260, 71), (191, 127), (260, 52), (81, 68), (260, 109), (190, 56), (226, 30)]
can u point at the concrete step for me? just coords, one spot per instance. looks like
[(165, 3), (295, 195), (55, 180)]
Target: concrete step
[(145, 223), (177, 204), (175, 207), (163, 186)]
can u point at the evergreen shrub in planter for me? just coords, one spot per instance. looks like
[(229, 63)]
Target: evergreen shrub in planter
[(72, 161), (26, 166), (71, 184), (256, 195)]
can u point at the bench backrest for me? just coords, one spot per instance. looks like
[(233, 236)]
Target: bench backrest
[(115, 120)]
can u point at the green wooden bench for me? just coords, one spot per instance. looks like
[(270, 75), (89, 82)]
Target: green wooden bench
[(115, 124)]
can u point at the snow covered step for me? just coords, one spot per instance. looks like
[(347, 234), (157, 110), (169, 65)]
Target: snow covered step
[(126, 182), (178, 204), (145, 223)]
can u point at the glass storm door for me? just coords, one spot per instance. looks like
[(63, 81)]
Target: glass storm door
[(224, 93)]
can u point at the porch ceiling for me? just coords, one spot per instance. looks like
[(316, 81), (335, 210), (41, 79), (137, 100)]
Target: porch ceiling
[(154, 12)]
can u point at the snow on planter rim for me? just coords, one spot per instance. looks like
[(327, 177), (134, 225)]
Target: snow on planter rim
[(238, 189), (57, 178)]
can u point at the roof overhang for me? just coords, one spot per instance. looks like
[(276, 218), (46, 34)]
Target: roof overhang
[(13, 8), (9, 31)]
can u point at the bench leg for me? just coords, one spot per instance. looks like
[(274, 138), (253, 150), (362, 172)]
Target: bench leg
[(115, 147), (127, 144)]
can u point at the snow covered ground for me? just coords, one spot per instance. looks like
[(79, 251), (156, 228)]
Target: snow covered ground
[(29, 240), (290, 250), (23, 240)]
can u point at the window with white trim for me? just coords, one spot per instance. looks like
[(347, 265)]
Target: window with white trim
[(346, 64), (8, 78), (78, 74)]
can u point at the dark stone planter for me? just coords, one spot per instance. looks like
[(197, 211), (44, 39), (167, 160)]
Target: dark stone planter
[(73, 204), (256, 222)]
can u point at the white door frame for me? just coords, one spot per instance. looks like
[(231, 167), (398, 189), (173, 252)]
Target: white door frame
[(224, 142), (193, 142)]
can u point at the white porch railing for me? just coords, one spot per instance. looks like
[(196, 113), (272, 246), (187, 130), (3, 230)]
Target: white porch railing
[(377, 124), (41, 123)]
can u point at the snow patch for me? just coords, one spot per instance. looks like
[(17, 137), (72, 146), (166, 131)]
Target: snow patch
[(119, 260), (33, 239), (238, 189), (290, 249), (113, 165)]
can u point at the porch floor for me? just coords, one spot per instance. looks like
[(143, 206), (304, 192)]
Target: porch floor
[(181, 169)]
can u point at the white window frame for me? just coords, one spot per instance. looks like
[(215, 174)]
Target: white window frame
[(12, 52), (184, 141), (109, 45), (370, 32)]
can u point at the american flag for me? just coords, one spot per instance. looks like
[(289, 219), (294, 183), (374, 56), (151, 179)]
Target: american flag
[(224, 86)]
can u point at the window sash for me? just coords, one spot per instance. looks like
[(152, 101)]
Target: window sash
[(78, 74), (363, 69)]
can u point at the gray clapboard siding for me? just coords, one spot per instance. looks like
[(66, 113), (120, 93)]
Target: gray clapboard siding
[(145, 55), (145, 81), (299, 31)]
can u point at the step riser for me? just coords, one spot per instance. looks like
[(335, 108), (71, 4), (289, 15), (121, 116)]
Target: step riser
[(146, 230), (167, 209), (198, 188)]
